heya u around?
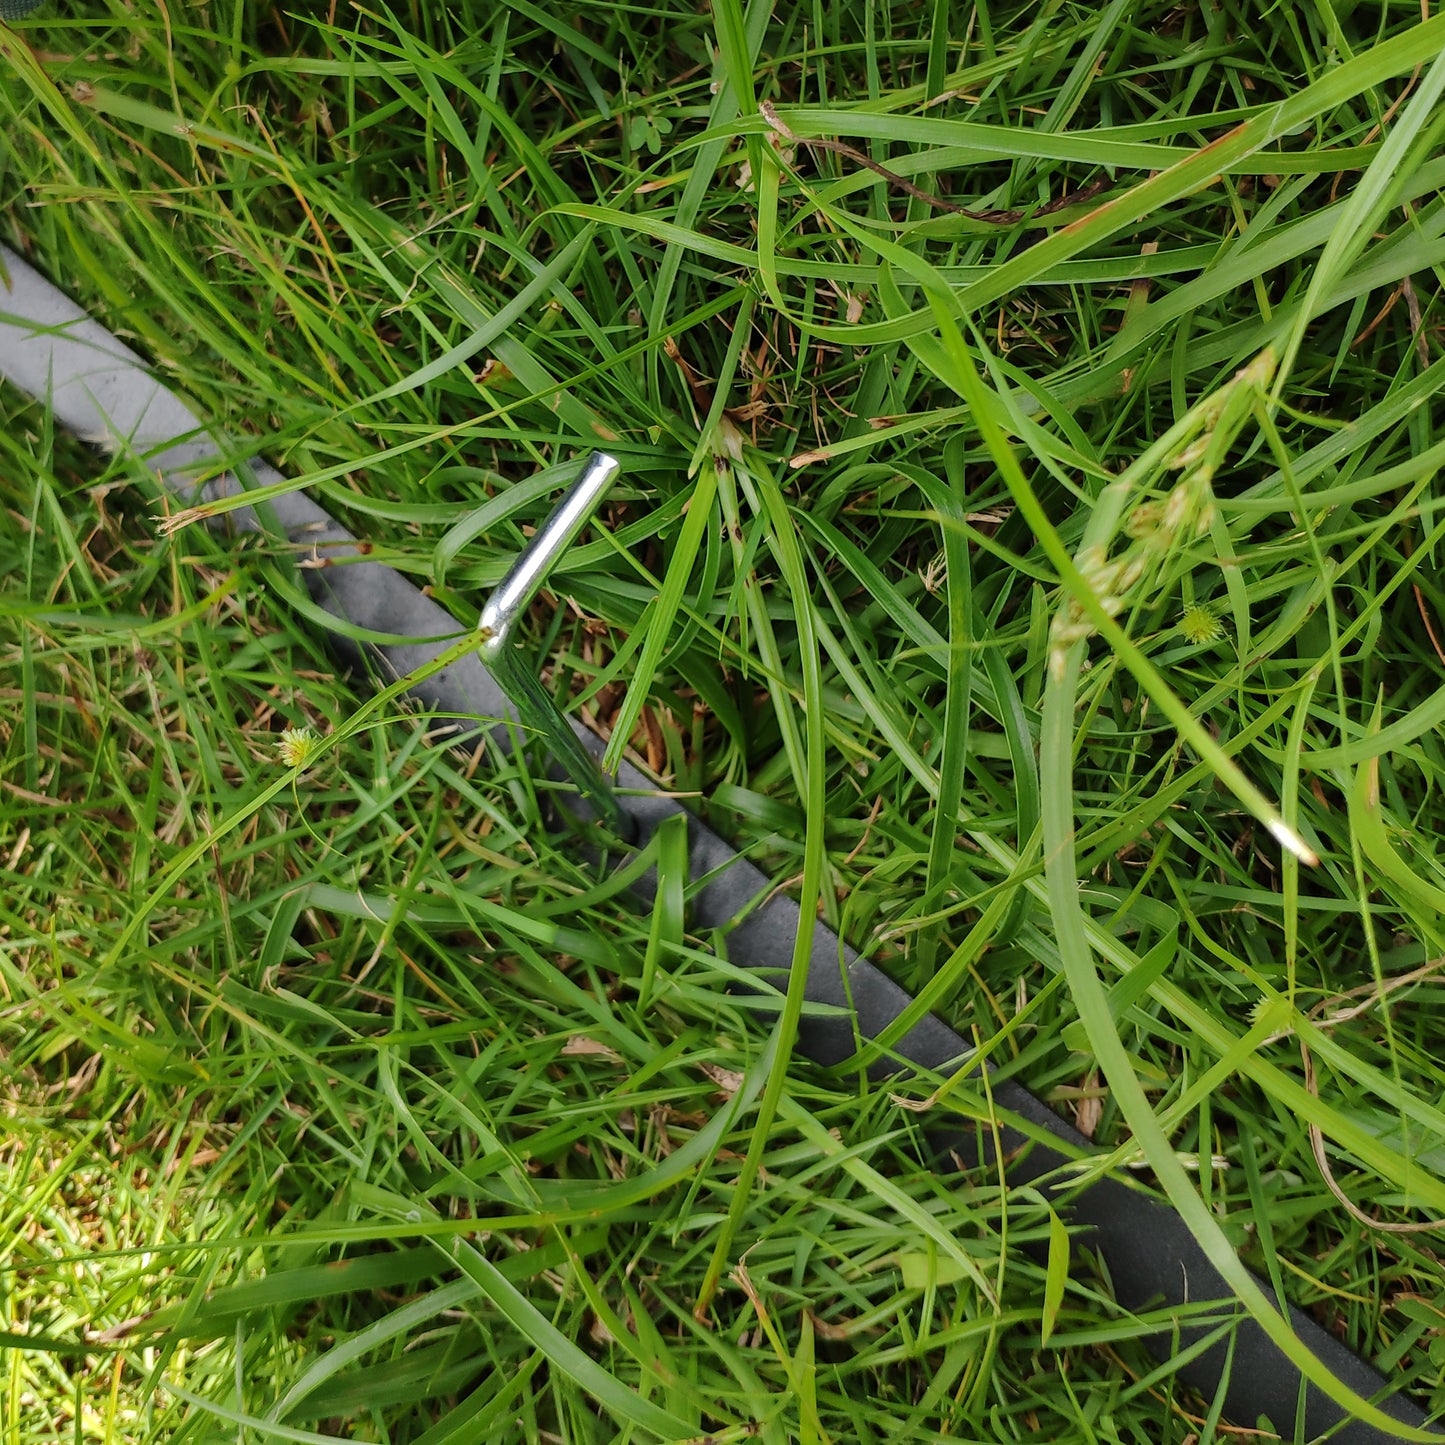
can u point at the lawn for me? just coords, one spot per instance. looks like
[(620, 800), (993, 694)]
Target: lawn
[(1024, 552)]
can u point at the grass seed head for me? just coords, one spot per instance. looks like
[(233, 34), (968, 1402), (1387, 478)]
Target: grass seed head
[(296, 746), (1199, 625)]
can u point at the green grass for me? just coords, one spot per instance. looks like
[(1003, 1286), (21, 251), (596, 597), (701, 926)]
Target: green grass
[(392, 1123)]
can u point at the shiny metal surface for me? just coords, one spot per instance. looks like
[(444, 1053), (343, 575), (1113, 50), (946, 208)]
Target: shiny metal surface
[(515, 674)]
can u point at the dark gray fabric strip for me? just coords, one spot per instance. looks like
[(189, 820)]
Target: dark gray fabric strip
[(100, 390)]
